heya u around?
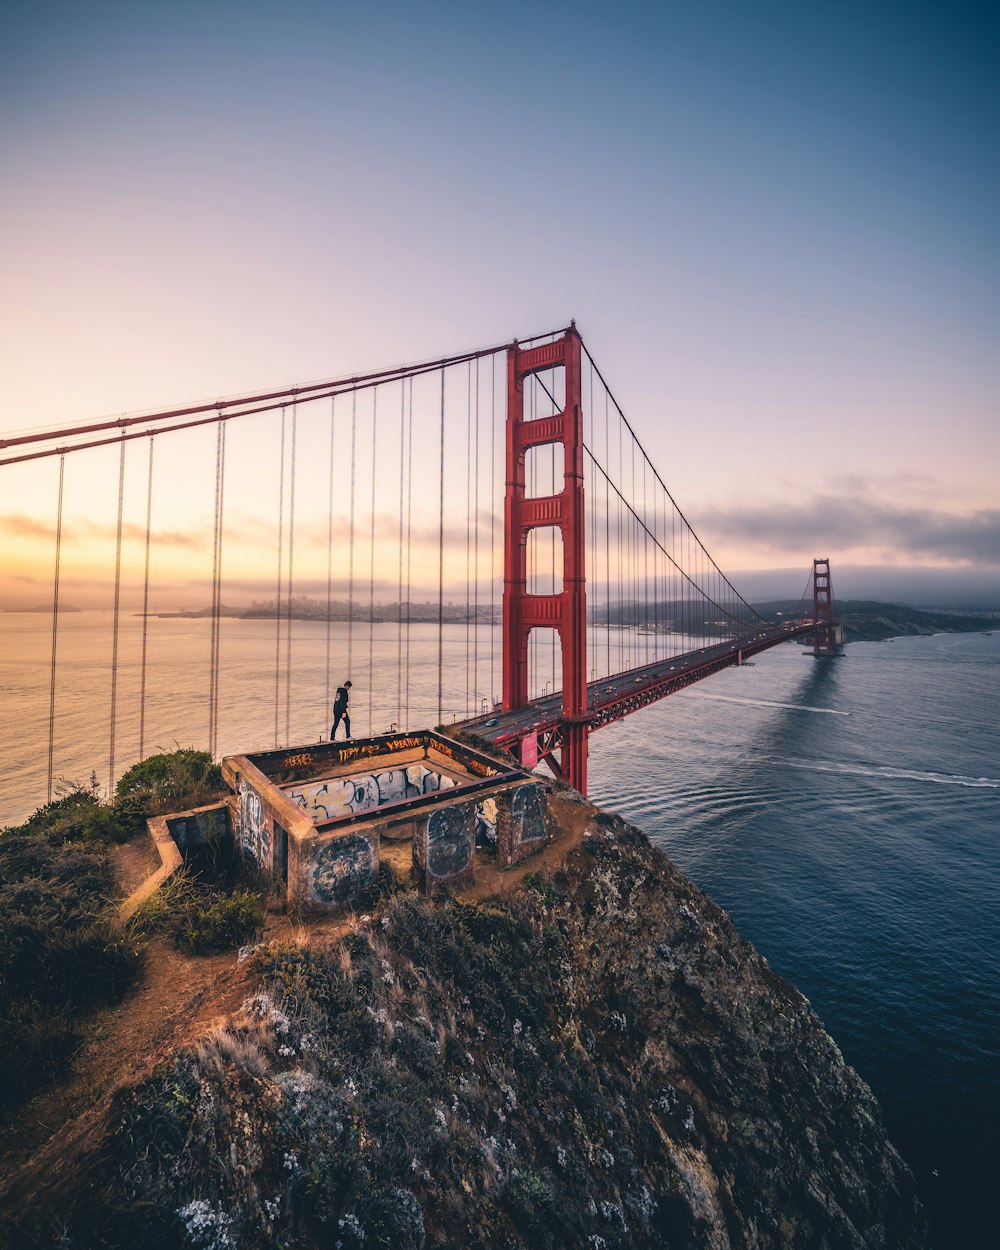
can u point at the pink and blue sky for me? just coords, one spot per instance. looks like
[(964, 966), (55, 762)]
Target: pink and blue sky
[(776, 225)]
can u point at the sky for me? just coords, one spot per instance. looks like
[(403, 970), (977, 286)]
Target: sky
[(775, 225)]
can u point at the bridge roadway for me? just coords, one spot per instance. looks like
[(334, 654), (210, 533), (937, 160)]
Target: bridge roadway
[(612, 698)]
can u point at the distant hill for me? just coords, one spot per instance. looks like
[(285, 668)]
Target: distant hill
[(44, 607), (867, 620), (864, 620)]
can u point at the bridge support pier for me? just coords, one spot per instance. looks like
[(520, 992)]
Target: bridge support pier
[(566, 611)]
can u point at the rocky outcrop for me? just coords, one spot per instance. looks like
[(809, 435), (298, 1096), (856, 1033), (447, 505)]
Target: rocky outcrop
[(595, 1060)]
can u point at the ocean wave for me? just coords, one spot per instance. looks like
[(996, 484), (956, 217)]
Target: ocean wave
[(894, 774), (794, 707)]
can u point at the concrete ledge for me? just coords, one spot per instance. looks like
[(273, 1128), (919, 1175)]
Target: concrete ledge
[(170, 861)]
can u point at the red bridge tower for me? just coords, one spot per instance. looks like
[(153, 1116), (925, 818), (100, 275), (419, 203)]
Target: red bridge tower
[(825, 638), (565, 611)]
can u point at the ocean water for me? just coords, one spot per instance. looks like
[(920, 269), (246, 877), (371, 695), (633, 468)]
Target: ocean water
[(845, 812)]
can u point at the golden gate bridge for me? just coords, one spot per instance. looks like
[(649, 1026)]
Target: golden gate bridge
[(579, 504)]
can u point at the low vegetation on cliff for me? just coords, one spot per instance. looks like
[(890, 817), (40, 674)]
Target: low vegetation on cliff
[(596, 1061), (61, 953)]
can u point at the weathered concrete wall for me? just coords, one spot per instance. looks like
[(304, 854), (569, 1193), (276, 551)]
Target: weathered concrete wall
[(364, 792), (444, 846), (254, 827), (328, 872), (520, 824), (209, 825)]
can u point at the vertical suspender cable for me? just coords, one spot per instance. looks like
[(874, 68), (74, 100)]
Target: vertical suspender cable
[(399, 579), (552, 540), (214, 617), (211, 610), (493, 524), (291, 574), (55, 623), (114, 637), (329, 561), (441, 564), (371, 565), (218, 591), (592, 561), (350, 566), (607, 533), (409, 547), (468, 521), (145, 605), (277, 595), (475, 574)]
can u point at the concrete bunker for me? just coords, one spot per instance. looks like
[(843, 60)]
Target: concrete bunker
[(320, 818)]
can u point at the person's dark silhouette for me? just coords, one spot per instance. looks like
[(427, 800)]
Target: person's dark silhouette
[(340, 711)]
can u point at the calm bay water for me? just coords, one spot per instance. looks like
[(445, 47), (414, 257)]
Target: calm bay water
[(853, 833), (845, 812)]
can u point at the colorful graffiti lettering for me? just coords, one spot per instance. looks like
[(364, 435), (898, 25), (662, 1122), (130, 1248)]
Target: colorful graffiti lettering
[(254, 835), (293, 761), (486, 823), (350, 796)]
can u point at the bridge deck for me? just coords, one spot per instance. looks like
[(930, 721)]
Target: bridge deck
[(611, 698)]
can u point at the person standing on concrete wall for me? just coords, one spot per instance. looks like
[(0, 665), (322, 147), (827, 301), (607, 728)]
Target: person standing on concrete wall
[(340, 711)]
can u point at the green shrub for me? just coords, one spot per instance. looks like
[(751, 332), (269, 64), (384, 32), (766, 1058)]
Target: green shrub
[(63, 818), (220, 924), (60, 953), (166, 782)]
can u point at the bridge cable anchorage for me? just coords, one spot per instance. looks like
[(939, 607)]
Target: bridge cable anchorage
[(277, 594), (114, 636), (371, 565), (55, 625), (329, 564), (440, 719), (145, 602)]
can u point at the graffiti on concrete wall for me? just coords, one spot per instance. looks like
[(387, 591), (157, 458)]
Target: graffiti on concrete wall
[(350, 796), (527, 813), (449, 844), (342, 868), (486, 823), (254, 835)]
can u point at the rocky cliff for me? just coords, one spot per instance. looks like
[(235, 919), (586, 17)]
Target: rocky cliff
[(595, 1059)]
